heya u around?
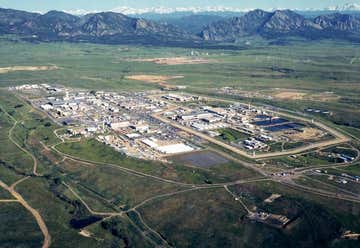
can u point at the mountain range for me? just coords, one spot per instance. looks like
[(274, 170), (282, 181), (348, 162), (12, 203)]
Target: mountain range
[(104, 27), (284, 23), (116, 28)]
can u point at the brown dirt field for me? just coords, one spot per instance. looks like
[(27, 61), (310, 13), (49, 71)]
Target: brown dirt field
[(324, 97), (177, 61), (152, 78), (4, 70), (156, 79), (290, 95), (85, 233), (298, 95), (272, 198), (309, 133)]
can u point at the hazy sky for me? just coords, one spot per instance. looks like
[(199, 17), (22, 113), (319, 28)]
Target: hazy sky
[(102, 5)]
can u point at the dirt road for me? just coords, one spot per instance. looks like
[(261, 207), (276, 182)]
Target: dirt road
[(16, 144), (9, 200), (17, 196), (88, 207), (24, 150), (35, 213)]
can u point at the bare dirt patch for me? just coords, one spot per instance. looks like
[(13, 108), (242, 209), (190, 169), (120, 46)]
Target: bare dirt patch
[(4, 70), (153, 78), (290, 95), (324, 97), (272, 198), (156, 79), (85, 233), (307, 134), (177, 61)]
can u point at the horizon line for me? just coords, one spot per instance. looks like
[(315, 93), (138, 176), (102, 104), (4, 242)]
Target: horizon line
[(208, 9)]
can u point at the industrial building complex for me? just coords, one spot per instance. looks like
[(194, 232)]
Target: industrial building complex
[(156, 124)]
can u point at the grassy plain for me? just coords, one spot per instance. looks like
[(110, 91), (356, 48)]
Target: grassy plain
[(213, 218), (4, 194), (117, 187)]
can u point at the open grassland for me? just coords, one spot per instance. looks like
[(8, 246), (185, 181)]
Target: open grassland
[(212, 218), (10, 154), (301, 66), (203, 219), (119, 232), (57, 212), (115, 186), (9, 174), (18, 228), (5, 194), (310, 212)]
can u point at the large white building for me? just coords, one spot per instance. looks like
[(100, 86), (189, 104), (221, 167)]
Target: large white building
[(167, 149)]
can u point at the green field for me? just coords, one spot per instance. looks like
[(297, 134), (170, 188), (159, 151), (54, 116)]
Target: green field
[(4, 194), (213, 218), (117, 187), (119, 232), (18, 228)]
